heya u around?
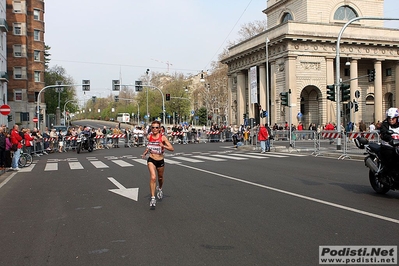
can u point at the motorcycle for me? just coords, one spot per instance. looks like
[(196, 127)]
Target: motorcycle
[(84, 142), (381, 160)]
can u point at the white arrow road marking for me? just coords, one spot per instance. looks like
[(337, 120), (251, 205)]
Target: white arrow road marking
[(130, 193)]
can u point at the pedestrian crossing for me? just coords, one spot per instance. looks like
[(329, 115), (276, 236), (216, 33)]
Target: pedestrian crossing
[(53, 164)]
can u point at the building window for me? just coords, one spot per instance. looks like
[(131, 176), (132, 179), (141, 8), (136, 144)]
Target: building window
[(37, 76), (17, 29), (347, 72), (36, 14), (388, 72), (19, 72), (18, 95), (36, 35), (17, 5), (345, 13), (18, 50), (287, 16), (36, 55)]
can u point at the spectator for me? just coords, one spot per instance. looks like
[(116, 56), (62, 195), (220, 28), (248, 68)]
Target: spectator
[(16, 142), (263, 136)]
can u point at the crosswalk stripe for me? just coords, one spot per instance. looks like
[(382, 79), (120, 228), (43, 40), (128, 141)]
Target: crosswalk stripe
[(99, 164), (209, 158), (75, 165), (188, 159), (122, 163), (51, 167), (291, 154), (27, 169), (169, 161), (269, 155), (144, 162), (228, 157), (248, 155)]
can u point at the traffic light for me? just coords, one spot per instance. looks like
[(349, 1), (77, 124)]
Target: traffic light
[(9, 118), (331, 93), (41, 117), (244, 116), (261, 114), (116, 98), (93, 99), (86, 85), (345, 92), (356, 106), (168, 97), (371, 74), (116, 85), (138, 85), (284, 98)]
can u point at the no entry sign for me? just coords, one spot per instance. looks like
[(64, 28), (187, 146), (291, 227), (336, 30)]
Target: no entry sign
[(5, 109)]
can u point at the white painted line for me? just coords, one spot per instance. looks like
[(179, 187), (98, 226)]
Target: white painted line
[(188, 159), (228, 157), (170, 161), (339, 206), (27, 169), (99, 164), (209, 158), (75, 165), (122, 163), (142, 161), (51, 167), (290, 154), (268, 154), (247, 155)]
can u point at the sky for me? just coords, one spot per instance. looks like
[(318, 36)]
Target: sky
[(102, 40)]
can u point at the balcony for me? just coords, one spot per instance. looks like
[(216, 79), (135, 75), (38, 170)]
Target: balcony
[(3, 25), (3, 76)]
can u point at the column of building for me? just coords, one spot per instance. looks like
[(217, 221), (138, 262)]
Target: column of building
[(241, 104), (230, 112), (329, 114), (396, 103), (378, 112), (273, 91), (290, 77), (354, 83)]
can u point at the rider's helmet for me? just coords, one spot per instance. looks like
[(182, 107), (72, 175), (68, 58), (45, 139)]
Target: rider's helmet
[(392, 112)]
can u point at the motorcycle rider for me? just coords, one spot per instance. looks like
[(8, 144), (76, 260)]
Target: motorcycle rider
[(389, 127), (390, 124)]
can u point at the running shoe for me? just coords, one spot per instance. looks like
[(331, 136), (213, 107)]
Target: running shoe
[(159, 193), (153, 202)]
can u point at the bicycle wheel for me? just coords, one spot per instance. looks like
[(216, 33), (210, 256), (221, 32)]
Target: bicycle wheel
[(29, 160), (22, 161)]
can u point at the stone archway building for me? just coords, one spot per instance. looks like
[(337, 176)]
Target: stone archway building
[(301, 53)]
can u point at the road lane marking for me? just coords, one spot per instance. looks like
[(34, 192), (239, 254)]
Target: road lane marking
[(248, 155), (228, 157), (122, 163), (75, 165), (339, 206), (188, 159), (270, 155), (209, 158), (142, 161), (51, 167), (99, 164)]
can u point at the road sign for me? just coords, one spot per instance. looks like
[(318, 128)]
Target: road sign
[(35, 120), (5, 109)]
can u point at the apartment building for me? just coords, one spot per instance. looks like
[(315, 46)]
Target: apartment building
[(3, 58), (301, 40), (25, 58)]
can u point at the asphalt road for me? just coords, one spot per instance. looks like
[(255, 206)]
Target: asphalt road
[(245, 209)]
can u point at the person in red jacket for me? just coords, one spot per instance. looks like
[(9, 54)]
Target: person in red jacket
[(263, 136), (28, 140), (16, 141)]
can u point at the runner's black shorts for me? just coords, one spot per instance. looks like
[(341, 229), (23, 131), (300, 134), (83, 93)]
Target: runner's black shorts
[(157, 163)]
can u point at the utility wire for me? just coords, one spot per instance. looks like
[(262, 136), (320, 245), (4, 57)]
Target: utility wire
[(228, 35)]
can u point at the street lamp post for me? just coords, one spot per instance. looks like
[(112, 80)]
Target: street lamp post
[(65, 117)]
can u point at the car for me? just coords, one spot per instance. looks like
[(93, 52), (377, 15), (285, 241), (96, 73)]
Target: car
[(64, 129)]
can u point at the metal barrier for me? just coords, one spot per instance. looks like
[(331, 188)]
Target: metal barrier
[(304, 139), (328, 136)]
